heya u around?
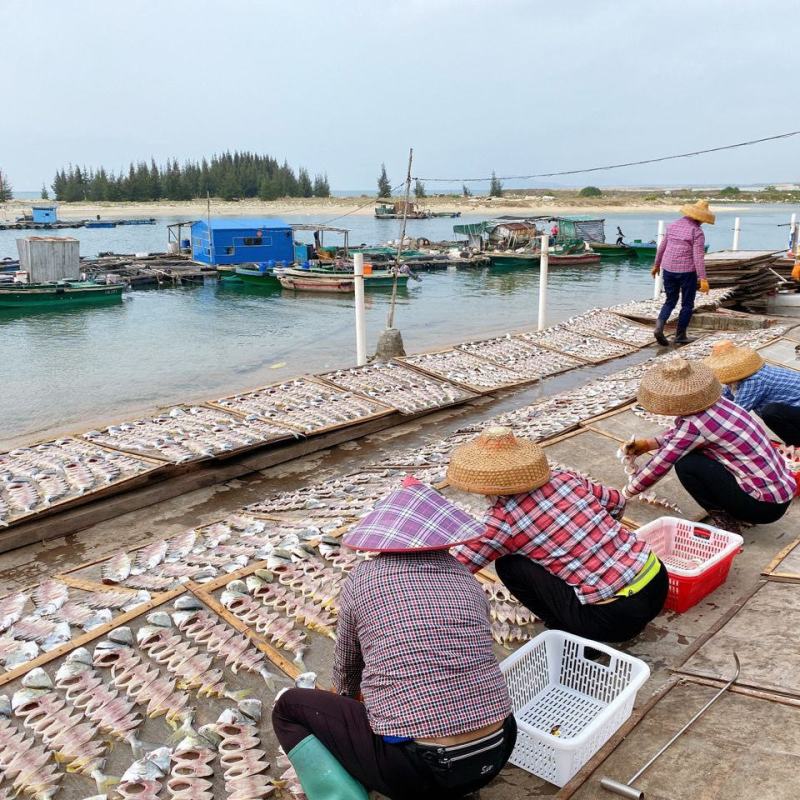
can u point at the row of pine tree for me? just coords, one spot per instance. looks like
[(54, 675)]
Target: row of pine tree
[(229, 176)]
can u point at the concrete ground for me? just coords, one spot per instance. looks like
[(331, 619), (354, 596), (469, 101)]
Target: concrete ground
[(747, 746)]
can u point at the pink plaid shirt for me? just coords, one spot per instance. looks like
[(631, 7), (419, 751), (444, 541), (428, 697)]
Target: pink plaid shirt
[(683, 248), (568, 526), (413, 636), (728, 434)]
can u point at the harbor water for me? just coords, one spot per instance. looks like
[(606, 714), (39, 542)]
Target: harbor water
[(165, 346)]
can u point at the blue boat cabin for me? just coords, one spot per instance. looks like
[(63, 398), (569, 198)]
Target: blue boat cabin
[(44, 214), (242, 240)]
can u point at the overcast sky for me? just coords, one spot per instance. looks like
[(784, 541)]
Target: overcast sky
[(516, 86)]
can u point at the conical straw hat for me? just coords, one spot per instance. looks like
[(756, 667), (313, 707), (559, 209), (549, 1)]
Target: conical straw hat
[(679, 387), (498, 463), (731, 363), (699, 211)]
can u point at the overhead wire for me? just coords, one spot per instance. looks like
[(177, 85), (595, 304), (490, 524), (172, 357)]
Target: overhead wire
[(615, 166)]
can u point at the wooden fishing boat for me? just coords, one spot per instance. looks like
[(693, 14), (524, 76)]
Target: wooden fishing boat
[(568, 259), (306, 280), (400, 209), (609, 250), (647, 249), (253, 275), (99, 223), (63, 294), (509, 259)]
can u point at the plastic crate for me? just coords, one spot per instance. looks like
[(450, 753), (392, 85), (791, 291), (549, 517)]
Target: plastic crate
[(697, 557), (567, 706)]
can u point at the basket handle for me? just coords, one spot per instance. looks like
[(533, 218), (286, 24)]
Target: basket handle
[(601, 659)]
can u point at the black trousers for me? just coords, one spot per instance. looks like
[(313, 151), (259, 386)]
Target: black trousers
[(783, 420), (681, 285), (716, 489), (557, 605), (402, 771)]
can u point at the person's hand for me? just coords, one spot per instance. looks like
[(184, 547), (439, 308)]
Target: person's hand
[(656, 269), (639, 446), (703, 286), (628, 493)]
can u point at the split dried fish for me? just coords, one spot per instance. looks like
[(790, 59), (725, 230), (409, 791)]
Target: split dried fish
[(580, 345), (14, 652), (49, 596), (466, 369), (149, 557), (407, 390), (142, 779), (192, 770), (11, 608), (117, 568), (600, 322), (241, 758), (523, 357)]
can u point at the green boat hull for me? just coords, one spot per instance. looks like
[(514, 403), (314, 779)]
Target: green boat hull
[(38, 296), (262, 279), (513, 260)]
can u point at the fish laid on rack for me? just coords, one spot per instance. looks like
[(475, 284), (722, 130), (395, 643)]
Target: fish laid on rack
[(65, 732), (47, 633), (114, 599), (117, 568), (407, 390), (142, 780), (221, 640), (11, 608), (146, 686), (148, 557), (508, 635), (244, 763), (524, 357), (305, 405), (600, 322), (29, 767), (49, 596), (189, 434), (192, 771), (284, 600), (85, 690), (191, 669), (466, 369), (14, 652), (278, 629), (587, 347)]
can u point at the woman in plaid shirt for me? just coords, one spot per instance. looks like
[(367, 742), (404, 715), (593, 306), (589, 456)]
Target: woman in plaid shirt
[(557, 542), (414, 640), (721, 455)]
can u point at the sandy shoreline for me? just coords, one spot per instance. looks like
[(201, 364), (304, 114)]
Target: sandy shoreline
[(360, 206)]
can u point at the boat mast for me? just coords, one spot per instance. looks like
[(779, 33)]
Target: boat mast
[(390, 316)]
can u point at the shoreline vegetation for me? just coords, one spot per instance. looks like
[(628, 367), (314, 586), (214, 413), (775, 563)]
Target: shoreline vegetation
[(519, 202)]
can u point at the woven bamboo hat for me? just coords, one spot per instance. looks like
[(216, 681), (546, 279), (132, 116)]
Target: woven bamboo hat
[(731, 363), (498, 463), (679, 387), (699, 211)]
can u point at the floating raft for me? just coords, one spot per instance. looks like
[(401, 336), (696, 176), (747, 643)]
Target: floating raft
[(395, 385), (305, 405)]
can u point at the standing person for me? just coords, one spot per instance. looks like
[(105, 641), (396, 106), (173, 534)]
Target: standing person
[(681, 255), (557, 542), (414, 639), (620, 237), (772, 392), (721, 455)]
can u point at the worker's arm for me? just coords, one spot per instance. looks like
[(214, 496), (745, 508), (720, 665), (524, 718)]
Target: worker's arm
[(674, 444), (750, 394), (348, 661), (495, 542), (611, 499), (699, 253)]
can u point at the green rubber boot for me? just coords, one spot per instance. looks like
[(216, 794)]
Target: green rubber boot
[(321, 775)]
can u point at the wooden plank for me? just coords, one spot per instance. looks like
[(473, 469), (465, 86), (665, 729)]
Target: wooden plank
[(770, 568), (93, 634), (224, 580), (93, 586), (745, 690), (278, 659)]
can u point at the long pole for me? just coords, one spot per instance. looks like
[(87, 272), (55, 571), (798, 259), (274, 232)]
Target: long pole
[(793, 243), (361, 331), (393, 302), (659, 281), (737, 225), (208, 222), (543, 265)]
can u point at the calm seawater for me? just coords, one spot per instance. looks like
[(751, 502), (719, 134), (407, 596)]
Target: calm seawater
[(70, 370)]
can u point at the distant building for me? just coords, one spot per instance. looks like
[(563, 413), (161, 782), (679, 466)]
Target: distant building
[(45, 214), (242, 240)]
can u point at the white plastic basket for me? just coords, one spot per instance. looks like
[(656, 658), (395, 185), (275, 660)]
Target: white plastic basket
[(567, 706)]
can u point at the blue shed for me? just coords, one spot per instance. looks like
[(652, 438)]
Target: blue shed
[(242, 240), (44, 214)]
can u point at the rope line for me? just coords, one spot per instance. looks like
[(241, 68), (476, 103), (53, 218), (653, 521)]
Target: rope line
[(616, 166)]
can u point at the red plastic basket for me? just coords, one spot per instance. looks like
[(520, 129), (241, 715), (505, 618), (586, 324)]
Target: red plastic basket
[(697, 557)]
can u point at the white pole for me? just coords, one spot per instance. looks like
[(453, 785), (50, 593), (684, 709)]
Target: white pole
[(361, 332), (793, 243), (659, 281), (737, 226), (543, 263)]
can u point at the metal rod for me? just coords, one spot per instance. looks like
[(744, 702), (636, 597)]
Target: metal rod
[(659, 280), (627, 789), (541, 321), (361, 333)]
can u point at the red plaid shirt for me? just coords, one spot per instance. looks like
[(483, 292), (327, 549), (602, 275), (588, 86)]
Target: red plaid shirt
[(569, 527), (413, 636), (727, 434), (683, 248)]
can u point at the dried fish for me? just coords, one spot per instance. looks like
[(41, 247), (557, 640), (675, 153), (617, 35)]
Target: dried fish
[(588, 347), (599, 322), (11, 608), (149, 557), (242, 759), (466, 369), (524, 357), (49, 596), (142, 779), (117, 568), (14, 652), (191, 767)]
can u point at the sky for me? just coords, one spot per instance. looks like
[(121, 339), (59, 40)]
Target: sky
[(339, 86)]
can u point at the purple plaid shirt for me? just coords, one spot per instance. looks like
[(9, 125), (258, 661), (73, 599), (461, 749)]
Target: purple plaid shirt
[(728, 434), (414, 637), (683, 248)]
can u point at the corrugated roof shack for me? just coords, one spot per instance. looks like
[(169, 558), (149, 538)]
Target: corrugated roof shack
[(242, 240), (49, 258)]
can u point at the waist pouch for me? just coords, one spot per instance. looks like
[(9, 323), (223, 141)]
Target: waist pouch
[(465, 764)]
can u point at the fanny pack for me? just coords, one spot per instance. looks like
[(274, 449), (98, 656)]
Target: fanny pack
[(643, 576)]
